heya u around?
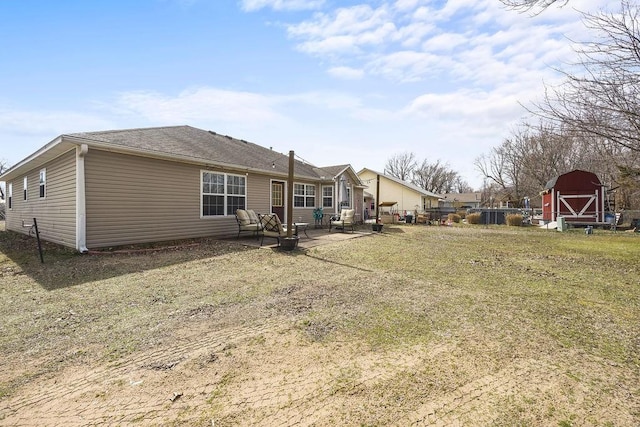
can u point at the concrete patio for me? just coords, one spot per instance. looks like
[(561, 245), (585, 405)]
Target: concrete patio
[(316, 237)]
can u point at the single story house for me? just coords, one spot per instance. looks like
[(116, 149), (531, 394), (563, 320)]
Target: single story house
[(408, 197), (109, 188), (462, 201)]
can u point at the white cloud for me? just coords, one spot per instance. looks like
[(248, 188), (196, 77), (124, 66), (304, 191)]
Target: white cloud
[(346, 73), (345, 31), (199, 104), (410, 40), (407, 66), (445, 42), (466, 105), (255, 5), (49, 123)]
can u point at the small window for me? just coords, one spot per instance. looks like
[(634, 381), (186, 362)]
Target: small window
[(25, 186), (43, 183), (277, 194), (10, 195), (304, 195), (327, 196)]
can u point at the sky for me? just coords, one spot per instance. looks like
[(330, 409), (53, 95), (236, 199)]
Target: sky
[(338, 82)]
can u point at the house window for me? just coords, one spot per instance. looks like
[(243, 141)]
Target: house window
[(222, 193), (10, 194), (24, 188), (327, 196), (43, 183), (304, 195), (236, 193)]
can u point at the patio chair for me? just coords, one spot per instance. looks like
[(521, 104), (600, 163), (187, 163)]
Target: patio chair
[(345, 220), (248, 221), (272, 227)]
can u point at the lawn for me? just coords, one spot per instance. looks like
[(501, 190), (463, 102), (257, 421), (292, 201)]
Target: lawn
[(419, 325)]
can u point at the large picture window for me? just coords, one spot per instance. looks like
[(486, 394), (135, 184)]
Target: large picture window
[(327, 196), (304, 195), (222, 193)]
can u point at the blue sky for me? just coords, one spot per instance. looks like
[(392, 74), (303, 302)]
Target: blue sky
[(337, 81)]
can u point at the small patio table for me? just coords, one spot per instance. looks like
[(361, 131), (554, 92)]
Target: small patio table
[(301, 226)]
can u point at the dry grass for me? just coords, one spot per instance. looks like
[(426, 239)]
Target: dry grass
[(467, 325)]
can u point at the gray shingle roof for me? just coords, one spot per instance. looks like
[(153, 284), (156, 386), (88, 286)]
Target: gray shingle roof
[(187, 142)]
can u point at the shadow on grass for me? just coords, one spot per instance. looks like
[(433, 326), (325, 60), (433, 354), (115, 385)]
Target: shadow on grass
[(391, 229), (64, 267)]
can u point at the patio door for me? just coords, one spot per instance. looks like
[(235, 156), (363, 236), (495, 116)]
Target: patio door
[(277, 199)]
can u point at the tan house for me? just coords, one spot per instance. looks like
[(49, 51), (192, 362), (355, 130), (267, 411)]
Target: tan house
[(99, 189), (462, 201), (408, 198)]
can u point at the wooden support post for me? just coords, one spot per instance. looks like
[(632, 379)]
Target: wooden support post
[(290, 196)]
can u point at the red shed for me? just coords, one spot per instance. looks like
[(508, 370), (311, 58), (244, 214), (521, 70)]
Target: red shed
[(578, 196)]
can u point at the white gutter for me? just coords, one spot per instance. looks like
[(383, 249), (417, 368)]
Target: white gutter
[(81, 208)]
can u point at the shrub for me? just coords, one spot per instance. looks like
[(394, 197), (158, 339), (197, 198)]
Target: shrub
[(463, 214), (453, 217), (474, 218), (514, 219)]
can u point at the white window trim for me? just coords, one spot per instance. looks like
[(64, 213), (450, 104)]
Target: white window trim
[(42, 182), (25, 188), (305, 195), (328, 197), (225, 194), (10, 196)]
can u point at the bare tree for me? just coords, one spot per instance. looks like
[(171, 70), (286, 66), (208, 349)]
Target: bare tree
[(435, 177), (603, 101), (3, 167), (401, 166), (525, 161), (461, 186), (535, 5)]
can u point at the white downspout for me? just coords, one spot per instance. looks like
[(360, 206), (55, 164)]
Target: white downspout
[(81, 208)]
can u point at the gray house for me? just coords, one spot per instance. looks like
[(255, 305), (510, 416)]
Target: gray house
[(99, 189)]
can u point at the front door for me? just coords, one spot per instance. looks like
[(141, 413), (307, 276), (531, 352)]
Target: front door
[(277, 199)]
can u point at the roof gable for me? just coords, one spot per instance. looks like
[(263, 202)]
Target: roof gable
[(403, 183), (337, 170)]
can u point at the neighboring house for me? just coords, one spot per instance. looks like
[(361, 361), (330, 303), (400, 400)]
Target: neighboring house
[(101, 189), (409, 198), (462, 201)]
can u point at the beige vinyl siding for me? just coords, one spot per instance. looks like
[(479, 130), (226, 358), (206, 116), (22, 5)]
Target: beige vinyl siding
[(391, 191), (132, 199), (55, 212), (259, 193)]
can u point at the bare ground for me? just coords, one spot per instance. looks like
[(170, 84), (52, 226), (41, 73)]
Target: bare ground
[(433, 326)]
